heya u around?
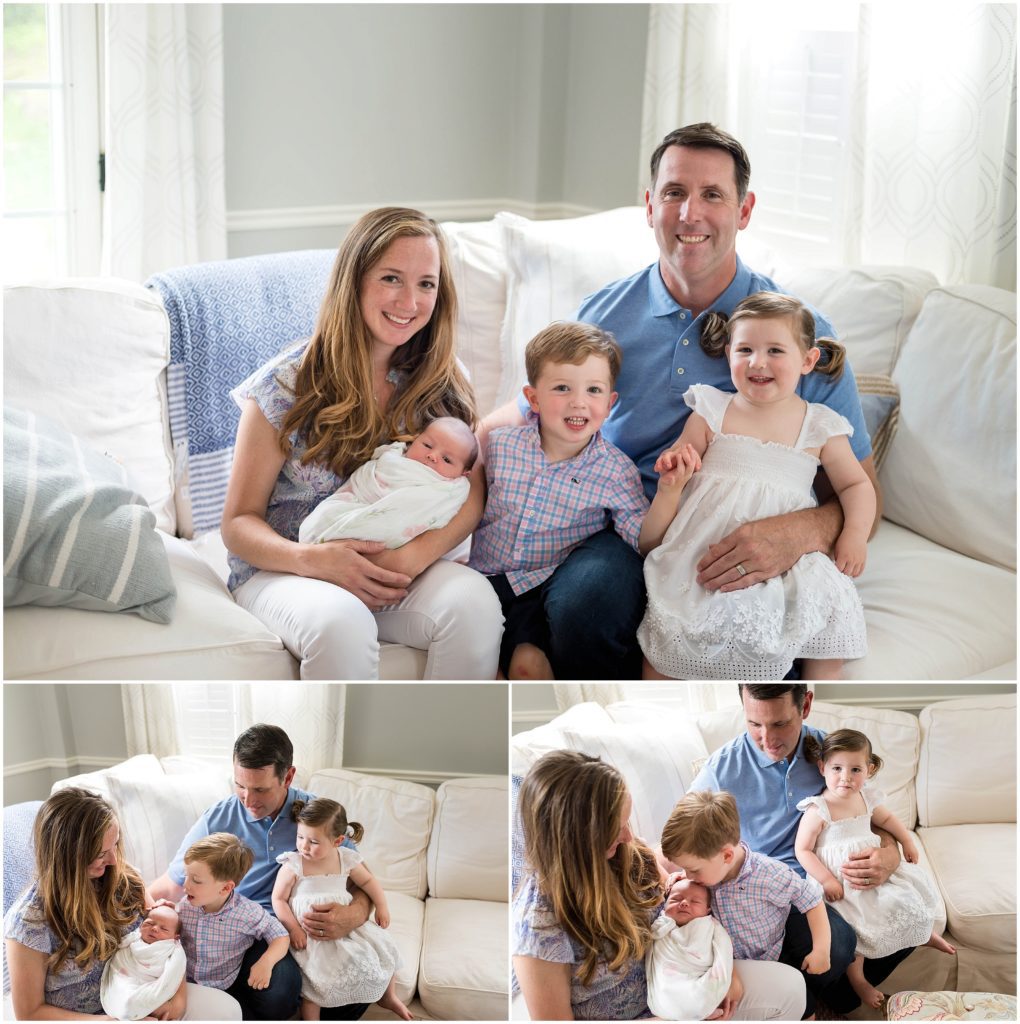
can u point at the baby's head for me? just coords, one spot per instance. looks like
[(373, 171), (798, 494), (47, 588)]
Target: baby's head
[(572, 368), (844, 758), (446, 445), (213, 867), (687, 900), (701, 835), (162, 922), (769, 340)]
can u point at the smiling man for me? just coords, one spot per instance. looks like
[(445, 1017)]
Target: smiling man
[(258, 813)]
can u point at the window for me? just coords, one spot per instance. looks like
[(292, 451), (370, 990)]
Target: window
[(51, 207), (208, 719)]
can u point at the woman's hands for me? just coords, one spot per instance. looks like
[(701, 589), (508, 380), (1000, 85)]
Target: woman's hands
[(733, 996), (347, 564)]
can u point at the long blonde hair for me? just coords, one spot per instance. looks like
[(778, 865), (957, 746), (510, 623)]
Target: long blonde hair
[(332, 409), (87, 916), (571, 808)]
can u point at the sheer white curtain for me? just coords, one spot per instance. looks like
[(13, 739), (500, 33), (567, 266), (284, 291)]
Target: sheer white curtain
[(923, 120), (165, 200), (312, 715), (150, 719), (692, 697)]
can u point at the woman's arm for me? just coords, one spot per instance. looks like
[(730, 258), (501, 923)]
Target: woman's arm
[(176, 1006), (545, 986), (27, 970), (257, 464), (857, 499), (368, 883)]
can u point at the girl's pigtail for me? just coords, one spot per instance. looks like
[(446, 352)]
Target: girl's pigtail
[(296, 808), (833, 357), (812, 749), (714, 335), (876, 762), (356, 830)]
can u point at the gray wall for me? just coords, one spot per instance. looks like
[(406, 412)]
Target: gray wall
[(462, 108), (53, 730)]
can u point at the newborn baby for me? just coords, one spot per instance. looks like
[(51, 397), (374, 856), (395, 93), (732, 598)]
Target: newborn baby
[(402, 491), (148, 968), (690, 965)]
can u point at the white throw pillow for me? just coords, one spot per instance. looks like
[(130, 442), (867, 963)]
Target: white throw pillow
[(478, 266), (397, 817), (467, 855), (155, 814), (91, 355), (527, 747)]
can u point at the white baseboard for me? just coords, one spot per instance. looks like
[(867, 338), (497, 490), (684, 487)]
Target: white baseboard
[(69, 766), (421, 775), (343, 215)]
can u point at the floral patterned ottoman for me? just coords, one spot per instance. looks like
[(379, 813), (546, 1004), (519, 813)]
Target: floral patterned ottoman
[(951, 1006)]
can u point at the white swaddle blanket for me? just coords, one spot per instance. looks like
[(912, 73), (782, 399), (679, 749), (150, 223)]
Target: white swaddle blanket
[(141, 976), (391, 499), (689, 968)]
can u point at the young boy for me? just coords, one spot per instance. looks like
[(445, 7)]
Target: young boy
[(751, 894), (217, 924), (551, 484)]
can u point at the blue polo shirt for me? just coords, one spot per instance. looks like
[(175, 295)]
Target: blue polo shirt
[(662, 358), (767, 792), (268, 838)]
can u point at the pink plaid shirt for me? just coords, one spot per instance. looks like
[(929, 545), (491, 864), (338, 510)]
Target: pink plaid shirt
[(538, 511), (215, 944), (753, 907)]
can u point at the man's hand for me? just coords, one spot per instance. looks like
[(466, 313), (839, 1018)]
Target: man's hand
[(763, 549), (870, 867), (333, 920)]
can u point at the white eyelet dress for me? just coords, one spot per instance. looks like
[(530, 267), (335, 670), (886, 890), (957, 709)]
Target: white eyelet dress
[(810, 611)]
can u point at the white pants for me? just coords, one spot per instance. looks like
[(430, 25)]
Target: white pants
[(450, 611), (210, 1004), (772, 991)]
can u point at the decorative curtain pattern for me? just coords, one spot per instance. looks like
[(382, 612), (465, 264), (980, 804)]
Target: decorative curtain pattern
[(150, 719), (165, 199), (569, 694), (931, 161), (312, 715)]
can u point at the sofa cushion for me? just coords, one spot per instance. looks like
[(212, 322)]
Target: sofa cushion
[(953, 485), (467, 847), (407, 926), (932, 613), (955, 790), (465, 954), (527, 747), (92, 355), (975, 866), (210, 637), (397, 817), (872, 308), (895, 737), (76, 535), (141, 766)]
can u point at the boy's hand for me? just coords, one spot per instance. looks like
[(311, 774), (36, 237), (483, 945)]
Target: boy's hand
[(910, 850), (261, 973), (833, 889), (298, 938), (676, 466), (850, 554), (382, 918), (816, 962)]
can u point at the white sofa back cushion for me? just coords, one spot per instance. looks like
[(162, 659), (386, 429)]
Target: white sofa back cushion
[(951, 471), (397, 817), (467, 857), (967, 767), (91, 355)]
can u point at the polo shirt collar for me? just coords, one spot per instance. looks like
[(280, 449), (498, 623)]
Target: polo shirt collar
[(762, 760), (662, 303)]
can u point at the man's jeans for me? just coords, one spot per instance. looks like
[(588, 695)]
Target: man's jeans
[(833, 987), (594, 602)]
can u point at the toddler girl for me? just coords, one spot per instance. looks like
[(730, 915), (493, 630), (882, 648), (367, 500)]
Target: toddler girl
[(359, 968), (761, 449), (895, 915)]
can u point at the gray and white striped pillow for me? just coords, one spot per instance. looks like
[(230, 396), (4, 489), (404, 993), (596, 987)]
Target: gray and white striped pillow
[(75, 533)]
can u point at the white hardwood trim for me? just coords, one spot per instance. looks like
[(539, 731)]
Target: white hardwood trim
[(343, 215), (425, 776), (69, 765)]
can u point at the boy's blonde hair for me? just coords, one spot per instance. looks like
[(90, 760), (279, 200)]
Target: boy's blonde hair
[(701, 824), (567, 341), (227, 858)]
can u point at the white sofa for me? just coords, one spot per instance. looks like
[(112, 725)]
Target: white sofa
[(441, 856), (949, 774), (940, 586)]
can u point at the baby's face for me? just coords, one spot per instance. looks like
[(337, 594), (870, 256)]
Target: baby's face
[(161, 923), (687, 900), (441, 449)]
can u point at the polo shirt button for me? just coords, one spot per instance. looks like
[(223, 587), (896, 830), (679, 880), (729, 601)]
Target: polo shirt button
[(680, 371), (683, 316)]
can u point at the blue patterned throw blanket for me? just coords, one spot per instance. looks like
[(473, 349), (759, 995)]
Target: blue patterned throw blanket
[(227, 318)]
